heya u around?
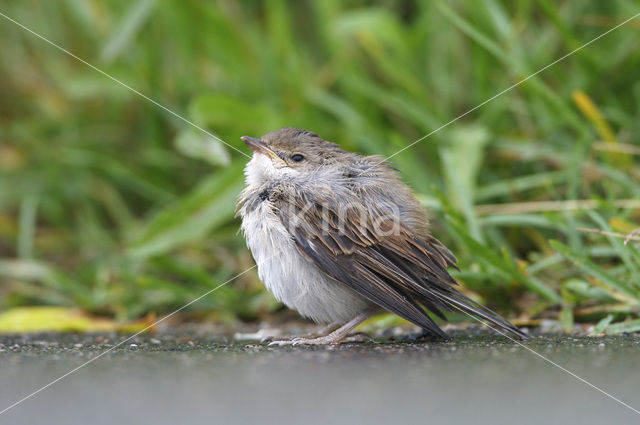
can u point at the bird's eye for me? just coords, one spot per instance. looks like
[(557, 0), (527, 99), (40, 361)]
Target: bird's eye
[(297, 157)]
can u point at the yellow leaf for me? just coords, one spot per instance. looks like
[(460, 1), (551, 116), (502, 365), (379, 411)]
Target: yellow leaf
[(593, 114), (622, 225), (61, 319)]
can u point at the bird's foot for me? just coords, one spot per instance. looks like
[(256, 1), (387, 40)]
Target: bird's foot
[(323, 340), (332, 338), (271, 336)]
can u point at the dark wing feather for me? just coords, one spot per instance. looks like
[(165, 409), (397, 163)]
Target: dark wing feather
[(400, 272)]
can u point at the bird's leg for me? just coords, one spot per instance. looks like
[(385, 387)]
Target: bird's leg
[(331, 338)]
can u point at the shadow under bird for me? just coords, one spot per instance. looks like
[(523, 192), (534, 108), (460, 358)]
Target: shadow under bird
[(338, 237)]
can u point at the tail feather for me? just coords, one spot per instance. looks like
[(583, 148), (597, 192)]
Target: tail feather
[(465, 304)]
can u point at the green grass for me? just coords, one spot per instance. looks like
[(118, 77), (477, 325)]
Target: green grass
[(113, 205)]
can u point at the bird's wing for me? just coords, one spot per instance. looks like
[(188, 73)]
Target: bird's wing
[(391, 267)]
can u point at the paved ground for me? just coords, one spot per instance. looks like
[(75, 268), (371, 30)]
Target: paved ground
[(475, 378)]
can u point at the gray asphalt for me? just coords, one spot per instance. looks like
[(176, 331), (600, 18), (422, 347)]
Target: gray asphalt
[(475, 378)]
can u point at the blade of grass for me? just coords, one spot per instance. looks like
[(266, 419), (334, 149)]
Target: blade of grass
[(596, 271)]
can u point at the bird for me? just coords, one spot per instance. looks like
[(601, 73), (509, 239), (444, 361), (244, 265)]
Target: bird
[(339, 237)]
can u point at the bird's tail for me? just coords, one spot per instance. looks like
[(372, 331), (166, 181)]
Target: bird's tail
[(457, 301)]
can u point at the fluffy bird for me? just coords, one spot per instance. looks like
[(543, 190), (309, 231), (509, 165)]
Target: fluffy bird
[(339, 236)]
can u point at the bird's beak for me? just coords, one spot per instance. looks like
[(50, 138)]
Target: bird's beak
[(260, 146)]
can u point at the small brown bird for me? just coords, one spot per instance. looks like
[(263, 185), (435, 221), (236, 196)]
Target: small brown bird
[(338, 237)]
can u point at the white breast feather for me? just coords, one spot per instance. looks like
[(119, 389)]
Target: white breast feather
[(291, 278)]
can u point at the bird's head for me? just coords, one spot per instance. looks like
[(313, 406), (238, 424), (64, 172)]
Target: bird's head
[(292, 152)]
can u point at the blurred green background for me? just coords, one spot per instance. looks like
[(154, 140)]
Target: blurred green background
[(110, 204)]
